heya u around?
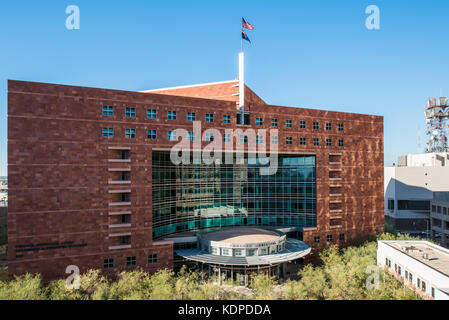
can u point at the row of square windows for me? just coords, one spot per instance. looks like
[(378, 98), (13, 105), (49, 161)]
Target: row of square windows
[(329, 238), (439, 209), (421, 284), (191, 116), (171, 136), (130, 261)]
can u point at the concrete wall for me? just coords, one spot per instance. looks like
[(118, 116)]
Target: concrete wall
[(428, 160), (412, 183)]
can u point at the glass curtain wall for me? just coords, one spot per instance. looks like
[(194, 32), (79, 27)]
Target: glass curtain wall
[(198, 196)]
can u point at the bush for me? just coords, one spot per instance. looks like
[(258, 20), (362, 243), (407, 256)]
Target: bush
[(262, 286), (26, 287)]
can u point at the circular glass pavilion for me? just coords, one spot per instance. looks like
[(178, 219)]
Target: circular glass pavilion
[(235, 253)]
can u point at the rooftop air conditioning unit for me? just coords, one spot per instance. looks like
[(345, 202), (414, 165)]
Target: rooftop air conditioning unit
[(425, 256)]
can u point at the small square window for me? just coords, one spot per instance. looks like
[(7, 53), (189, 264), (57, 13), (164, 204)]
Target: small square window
[(209, 117), (328, 126), (302, 124), (274, 139), (328, 142), (209, 137), (191, 116), (152, 134), (329, 238), (316, 125), (171, 136), (274, 122), (130, 112), (341, 127), (108, 263), (316, 141), (125, 219), (171, 115), (108, 110), (341, 237), (125, 240), (152, 258), (151, 113), (341, 143), (131, 261), (302, 141), (316, 239), (288, 140), (226, 119), (259, 121), (288, 123), (130, 133), (108, 132)]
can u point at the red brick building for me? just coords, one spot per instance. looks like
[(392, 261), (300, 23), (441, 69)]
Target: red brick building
[(80, 172)]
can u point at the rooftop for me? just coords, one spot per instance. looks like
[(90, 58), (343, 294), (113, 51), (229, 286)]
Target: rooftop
[(241, 235), (432, 255), (294, 250)]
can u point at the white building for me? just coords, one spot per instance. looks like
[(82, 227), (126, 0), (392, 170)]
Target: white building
[(3, 191), (439, 215), (422, 266), (409, 188)]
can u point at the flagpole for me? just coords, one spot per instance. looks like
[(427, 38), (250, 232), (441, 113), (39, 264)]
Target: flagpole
[(241, 40), (241, 84)]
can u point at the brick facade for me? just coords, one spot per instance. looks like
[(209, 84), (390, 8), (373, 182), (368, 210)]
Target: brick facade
[(58, 170)]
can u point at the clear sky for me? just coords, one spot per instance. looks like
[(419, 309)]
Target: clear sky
[(316, 54)]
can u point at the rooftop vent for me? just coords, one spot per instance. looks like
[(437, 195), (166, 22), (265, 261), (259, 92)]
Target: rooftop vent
[(425, 256)]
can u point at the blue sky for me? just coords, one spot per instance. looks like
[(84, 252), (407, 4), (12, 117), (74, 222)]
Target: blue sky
[(316, 54)]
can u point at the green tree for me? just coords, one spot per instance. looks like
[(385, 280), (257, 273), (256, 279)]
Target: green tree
[(162, 285), (313, 284), (262, 286), (25, 287)]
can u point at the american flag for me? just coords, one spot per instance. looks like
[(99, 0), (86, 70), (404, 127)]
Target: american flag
[(246, 24)]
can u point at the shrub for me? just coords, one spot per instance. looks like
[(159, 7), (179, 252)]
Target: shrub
[(26, 287)]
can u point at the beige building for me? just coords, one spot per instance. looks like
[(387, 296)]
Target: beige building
[(409, 189), (440, 218)]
